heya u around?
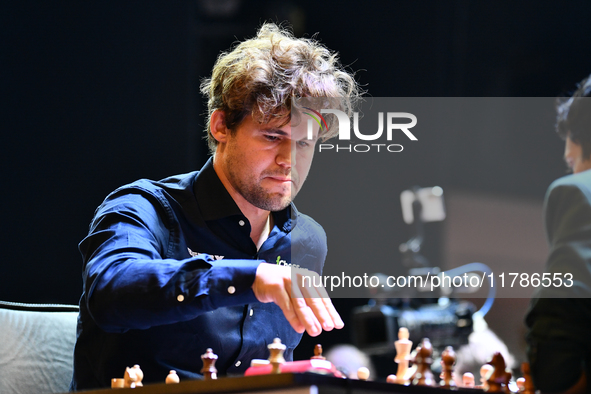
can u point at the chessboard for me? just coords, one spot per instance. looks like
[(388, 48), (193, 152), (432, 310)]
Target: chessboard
[(284, 383), (319, 376)]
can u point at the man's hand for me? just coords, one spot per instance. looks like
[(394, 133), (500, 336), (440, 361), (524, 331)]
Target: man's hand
[(305, 306)]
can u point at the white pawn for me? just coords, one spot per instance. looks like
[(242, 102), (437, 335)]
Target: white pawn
[(468, 380), (485, 371), (403, 347), (276, 350), (172, 377), (363, 373)]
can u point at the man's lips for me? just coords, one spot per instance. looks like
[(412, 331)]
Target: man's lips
[(280, 178)]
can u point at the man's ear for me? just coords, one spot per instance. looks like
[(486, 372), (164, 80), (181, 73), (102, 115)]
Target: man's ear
[(217, 125)]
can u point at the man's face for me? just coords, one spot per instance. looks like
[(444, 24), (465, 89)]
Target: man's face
[(573, 156), (267, 164)]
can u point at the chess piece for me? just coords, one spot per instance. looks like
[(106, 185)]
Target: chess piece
[(363, 373), (498, 380), (139, 376), (448, 359), (485, 370), (318, 353), (468, 380), (117, 383), (172, 377), (130, 378), (417, 350), (276, 350), (258, 362), (209, 372), (528, 386), (391, 379), (403, 347), (423, 359)]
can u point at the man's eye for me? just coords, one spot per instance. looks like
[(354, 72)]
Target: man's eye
[(303, 144), (271, 138)]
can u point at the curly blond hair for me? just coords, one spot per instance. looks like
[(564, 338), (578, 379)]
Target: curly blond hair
[(265, 75)]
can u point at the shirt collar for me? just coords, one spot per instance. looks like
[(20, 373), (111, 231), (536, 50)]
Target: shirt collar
[(216, 203)]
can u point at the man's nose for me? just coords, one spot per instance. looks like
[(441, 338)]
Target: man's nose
[(286, 154)]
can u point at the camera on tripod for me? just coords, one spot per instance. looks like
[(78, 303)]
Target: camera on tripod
[(445, 322), (426, 314)]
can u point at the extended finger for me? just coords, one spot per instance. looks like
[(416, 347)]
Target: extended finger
[(284, 301), (318, 307), (305, 313), (336, 318)]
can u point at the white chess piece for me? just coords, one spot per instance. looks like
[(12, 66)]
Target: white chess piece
[(363, 373), (403, 347), (172, 377), (485, 371), (468, 380)]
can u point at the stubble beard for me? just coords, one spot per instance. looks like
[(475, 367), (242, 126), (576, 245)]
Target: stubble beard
[(253, 192)]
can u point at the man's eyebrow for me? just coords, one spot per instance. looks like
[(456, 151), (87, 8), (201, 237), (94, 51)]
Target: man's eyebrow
[(273, 130)]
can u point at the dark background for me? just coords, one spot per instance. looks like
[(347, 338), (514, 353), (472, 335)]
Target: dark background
[(98, 94)]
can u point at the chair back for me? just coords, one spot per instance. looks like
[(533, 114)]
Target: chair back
[(36, 347)]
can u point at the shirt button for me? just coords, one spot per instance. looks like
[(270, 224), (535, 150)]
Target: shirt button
[(238, 363), (251, 312), (180, 298), (231, 289), (241, 222)]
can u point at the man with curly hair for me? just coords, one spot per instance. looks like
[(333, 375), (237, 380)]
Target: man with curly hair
[(211, 259)]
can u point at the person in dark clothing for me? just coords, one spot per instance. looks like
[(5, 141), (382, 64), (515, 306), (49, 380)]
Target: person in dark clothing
[(559, 317), (211, 259)]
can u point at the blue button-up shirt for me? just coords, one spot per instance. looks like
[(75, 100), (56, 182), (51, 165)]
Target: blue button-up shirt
[(168, 272)]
